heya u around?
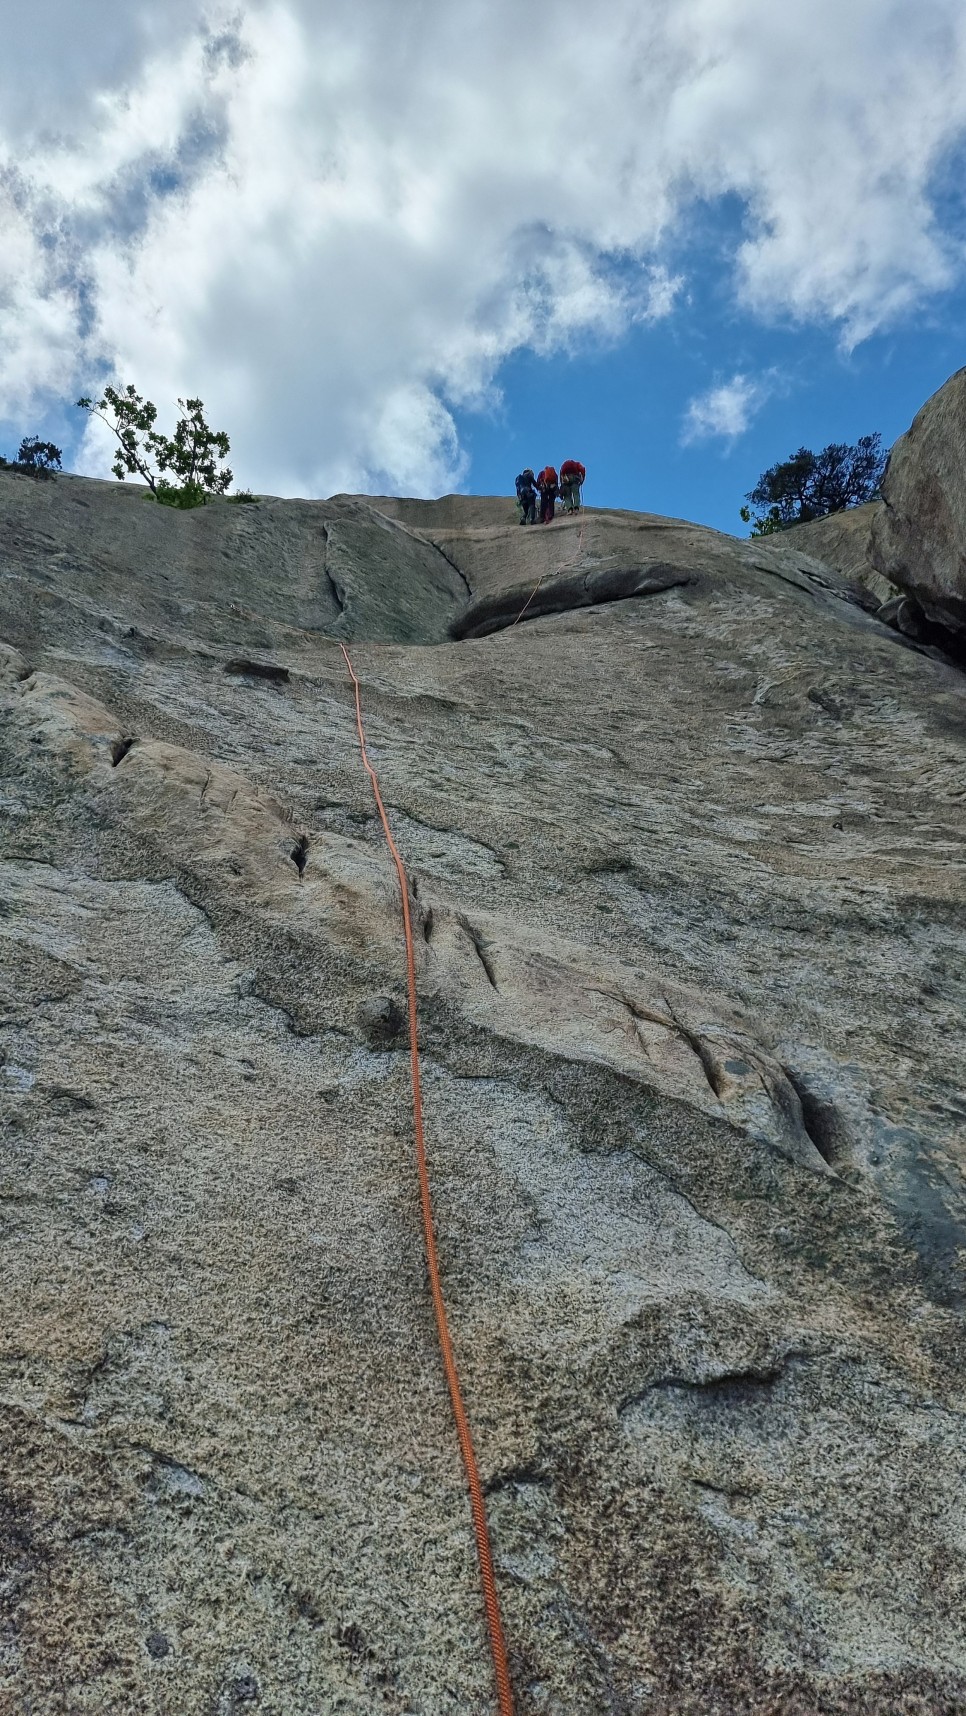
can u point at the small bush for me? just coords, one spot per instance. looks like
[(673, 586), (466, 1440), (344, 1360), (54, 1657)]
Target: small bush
[(184, 498), (192, 454), (244, 497), (36, 458)]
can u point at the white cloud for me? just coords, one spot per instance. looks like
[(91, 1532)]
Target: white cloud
[(38, 314), (726, 409), (335, 222)]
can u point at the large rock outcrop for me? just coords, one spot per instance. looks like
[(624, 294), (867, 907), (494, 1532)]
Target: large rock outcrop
[(686, 847), (919, 538), (844, 540)]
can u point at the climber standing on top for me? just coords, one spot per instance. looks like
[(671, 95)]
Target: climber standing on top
[(572, 478), (547, 485), (527, 496)]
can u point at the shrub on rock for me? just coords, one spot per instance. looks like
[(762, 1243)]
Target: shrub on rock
[(182, 469), (36, 458)]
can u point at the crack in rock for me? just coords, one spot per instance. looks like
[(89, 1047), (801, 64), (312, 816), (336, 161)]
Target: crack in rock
[(575, 589)]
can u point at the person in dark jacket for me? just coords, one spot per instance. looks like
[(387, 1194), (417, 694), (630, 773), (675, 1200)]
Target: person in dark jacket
[(527, 496), (572, 476), (547, 487)]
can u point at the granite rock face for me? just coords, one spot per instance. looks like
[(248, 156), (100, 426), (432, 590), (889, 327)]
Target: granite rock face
[(919, 538), (844, 540), (686, 856)]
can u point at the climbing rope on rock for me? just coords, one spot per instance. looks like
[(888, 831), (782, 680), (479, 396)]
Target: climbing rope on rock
[(477, 1504), (551, 574)]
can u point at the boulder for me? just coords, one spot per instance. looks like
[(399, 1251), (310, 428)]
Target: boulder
[(919, 536)]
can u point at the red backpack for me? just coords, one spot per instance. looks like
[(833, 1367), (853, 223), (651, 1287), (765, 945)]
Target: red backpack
[(547, 478)]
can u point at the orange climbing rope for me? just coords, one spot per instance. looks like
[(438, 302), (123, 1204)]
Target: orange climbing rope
[(552, 573), (484, 1552)]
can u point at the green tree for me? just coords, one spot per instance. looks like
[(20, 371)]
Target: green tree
[(811, 485), (36, 458), (765, 523), (191, 456)]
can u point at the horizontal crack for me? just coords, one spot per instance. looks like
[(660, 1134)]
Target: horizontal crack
[(529, 1473), (242, 667), (561, 593)]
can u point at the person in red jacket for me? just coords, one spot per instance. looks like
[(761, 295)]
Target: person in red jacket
[(547, 489), (572, 475)]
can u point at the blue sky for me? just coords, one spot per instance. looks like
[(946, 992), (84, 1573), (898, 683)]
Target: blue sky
[(621, 410), (393, 253)]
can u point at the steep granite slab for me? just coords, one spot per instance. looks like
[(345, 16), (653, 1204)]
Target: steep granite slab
[(243, 576), (844, 540), (688, 872)]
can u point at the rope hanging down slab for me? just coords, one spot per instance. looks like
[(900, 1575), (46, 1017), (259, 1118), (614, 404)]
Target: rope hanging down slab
[(553, 573), (477, 1504)]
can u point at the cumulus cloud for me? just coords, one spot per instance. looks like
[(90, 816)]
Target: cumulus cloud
[(726, 409), (335, 223)]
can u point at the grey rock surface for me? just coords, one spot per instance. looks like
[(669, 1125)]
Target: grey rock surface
[(686, 856), (844, 540), (919, 539)]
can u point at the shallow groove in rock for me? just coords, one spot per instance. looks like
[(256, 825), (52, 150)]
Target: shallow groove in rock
[(242, 667), (526, 1474), (300, 854), (451, 562), (697, 1043), (119, 750), (480, 949), (822, 1122), (338, 590), (748, 1380)]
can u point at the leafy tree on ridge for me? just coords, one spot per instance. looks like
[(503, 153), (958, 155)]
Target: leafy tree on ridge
[(36, 458), (191, 455), (811, 485)]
